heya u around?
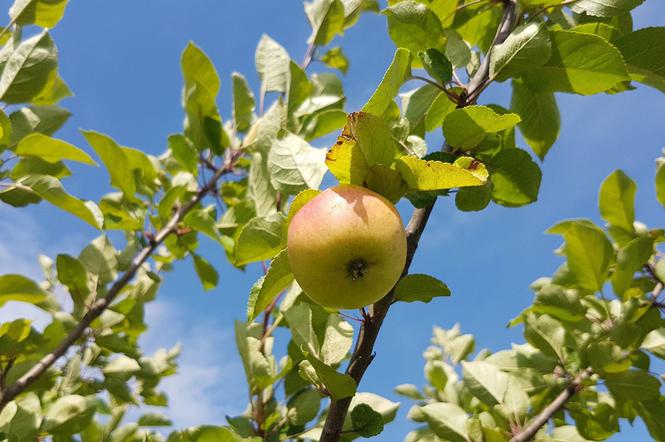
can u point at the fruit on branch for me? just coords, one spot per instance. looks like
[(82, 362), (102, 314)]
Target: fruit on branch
[(347, 247)]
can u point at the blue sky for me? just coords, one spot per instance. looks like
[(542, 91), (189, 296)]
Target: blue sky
[(121, 59)]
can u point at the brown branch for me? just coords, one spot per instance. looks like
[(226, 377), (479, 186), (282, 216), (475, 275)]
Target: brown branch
[(363, 352), (309, 56), (557, 404), (97, 308)]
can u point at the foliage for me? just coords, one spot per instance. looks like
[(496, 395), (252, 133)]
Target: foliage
[(579, 344), (161, 208)]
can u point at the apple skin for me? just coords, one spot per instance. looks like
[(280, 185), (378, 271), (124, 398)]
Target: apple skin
[(347, 247)]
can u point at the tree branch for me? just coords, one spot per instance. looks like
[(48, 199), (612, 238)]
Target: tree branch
[(557, 404), (102, 304), (364, 350)]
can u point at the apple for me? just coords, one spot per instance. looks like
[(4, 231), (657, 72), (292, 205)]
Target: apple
[(346, 247)]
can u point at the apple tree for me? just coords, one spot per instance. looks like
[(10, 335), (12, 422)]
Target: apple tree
[(242, 182)]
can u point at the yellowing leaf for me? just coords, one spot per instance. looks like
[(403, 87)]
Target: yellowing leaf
[(437, 175)]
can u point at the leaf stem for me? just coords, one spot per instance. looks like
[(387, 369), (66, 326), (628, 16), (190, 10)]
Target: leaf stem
[(453, 96)]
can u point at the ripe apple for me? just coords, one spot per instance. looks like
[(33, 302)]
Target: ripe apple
[(347, 247)]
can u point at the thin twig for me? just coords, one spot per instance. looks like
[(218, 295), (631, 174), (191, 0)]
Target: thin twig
[(557, 404), (309, 56), (102, 304), (363, 352), (545, 8), (453, 96)]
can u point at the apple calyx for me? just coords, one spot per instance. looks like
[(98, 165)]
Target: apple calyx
[(357, 268)]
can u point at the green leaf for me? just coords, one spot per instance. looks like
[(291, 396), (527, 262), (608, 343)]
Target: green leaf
[(327, 20), (51, 190), (410, 391), (115, 160), (437, 65), (644, 52), (36, 166), (99, 258), (154, 420), (569, 69), (122, 365), (397, 73), (303, 407), (295, 165), (202, 221), (20, 420), (206, 272), (447, 420), (413, 26), (385, 181), (417, 287), (202, 123), (605, 30), (566, 433), (588, 251), (259, 188), (272, 64), (20, 289), (299, 90), (44, 13), (660, 182), (527, 46), (607, 357), (334, 58), (261, 238), (422, 174), (5, 129), (184, 152), (560, 303), (72, 274), (631, 258), (366, 422), (28, 68), (466, 128), (471, 199), (266, 289), (337, 340), (633, 385), (42, 119), (486, 381), (51, 149), (69, 414), (55, 90), (299, 318), (438, 111), (339, 385), (597, 423), (198, 71), (515, 178), (605, 8), (654, 342), (616, 200), (243, 103), (653, 415), (540, 117), (546, 334)]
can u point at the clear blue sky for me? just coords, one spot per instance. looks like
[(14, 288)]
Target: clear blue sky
[(121, 59)]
